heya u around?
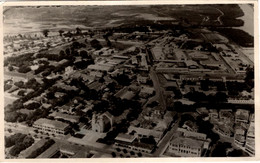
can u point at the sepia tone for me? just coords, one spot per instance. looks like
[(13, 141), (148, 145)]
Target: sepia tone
[(129, 81)]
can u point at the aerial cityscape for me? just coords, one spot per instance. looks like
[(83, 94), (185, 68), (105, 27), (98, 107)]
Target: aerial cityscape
[(129, 81)]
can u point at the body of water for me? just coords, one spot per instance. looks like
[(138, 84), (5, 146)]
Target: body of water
[(248, 19)]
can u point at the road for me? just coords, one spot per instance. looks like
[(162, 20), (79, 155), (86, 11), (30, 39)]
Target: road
[(163, 144), (159, 91), (219, 17)]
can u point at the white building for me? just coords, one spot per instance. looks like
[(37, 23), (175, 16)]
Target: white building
[(51, 126)]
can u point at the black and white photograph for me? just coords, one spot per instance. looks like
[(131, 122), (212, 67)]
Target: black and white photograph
[(129, 81)]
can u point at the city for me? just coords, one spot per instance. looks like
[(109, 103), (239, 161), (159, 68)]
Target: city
[(128, 81)]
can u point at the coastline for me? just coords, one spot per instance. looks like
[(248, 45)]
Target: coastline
[(248, 19)]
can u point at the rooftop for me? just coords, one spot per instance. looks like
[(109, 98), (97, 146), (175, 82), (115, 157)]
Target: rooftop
[(187, 142), (125, 138), (51, 123)]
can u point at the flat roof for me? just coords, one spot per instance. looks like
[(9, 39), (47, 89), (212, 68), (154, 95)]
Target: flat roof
[(51, 123), (125, 138)]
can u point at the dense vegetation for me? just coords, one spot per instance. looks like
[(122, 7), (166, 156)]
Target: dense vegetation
[(240, 37), (19, 142)]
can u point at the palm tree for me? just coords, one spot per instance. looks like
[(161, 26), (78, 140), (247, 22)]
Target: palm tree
[(61, 32)]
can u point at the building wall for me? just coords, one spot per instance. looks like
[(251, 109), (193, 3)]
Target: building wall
[(185, 151)]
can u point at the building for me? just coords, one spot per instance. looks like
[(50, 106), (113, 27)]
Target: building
[(51, 126), (146, 91), (102, 123), (68, 70), (242, 116), (223, 130), (190, 126), (191, 134), (239, 136), (102, 68), (250, 140), (202, 111), (142, 78), (226, 116), (187, 147), (144, 133), (213, 114), (125, 141)]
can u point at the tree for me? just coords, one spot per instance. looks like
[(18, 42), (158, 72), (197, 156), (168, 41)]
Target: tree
[(124, 150), (204, 84), (95, 44), (10, 68), (62, 53), (78, 30), (45, 32), (113, 154), (221, 149), (221, 97), (61, 32), (236, 153)]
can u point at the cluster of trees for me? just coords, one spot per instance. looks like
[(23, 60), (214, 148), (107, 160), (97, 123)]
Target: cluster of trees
[(11, 114), (23, 64), (206, 128), (95, 44), (14, 116), (221, 150), (149, 140), (40, 150), (237, 35), (123, 79), (23, 59), (196, 96), (19, 142), (234, 88)]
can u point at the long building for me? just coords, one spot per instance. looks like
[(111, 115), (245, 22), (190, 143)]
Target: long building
[(51, 126)]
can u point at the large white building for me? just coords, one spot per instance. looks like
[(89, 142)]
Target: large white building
[(188, 144), (51, 126)]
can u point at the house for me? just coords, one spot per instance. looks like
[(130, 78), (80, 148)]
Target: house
[(192, 134), (142, 78), (239, 136), (102, 68), (183, 37), (96, 74), (102, 123), (223, 130), (213, 114), (146, 91), (226, 116), (144, 132), (199, 48), (190, 126), (191, 64), (202, 111), (126, 93), (68, 70), (242, 116), (51, 126)]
